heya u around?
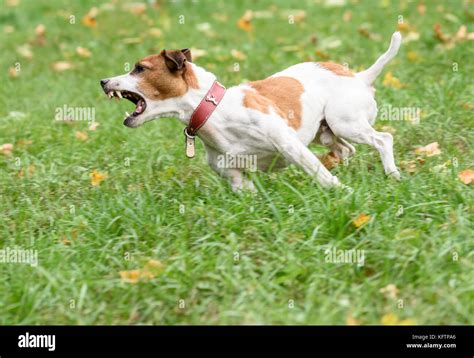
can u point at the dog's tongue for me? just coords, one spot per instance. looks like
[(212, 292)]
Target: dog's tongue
[(140, 107)]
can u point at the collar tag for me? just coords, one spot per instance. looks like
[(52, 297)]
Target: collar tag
[(190, 144)]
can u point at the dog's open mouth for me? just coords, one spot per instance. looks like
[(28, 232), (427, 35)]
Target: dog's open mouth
[(136, 99)]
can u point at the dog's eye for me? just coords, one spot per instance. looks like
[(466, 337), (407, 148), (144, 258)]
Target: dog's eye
[(138, 69)]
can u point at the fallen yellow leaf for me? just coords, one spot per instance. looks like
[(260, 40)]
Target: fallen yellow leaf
[(347, 16), (24, 142), (245, 22), (83, 52), (391, 81), (151, 269), (93, 126), (12, 72), (389, 319), (31, 170), (61, 66), (155, 32), (25, 51), (89, 19), (131, 276), (351, 321), (360, 220), (238, 54), (421, 9), (40, 30), (413, 56), (82, 135), (6, 149), (429, 150), (97, 177), (391, 291), (466, 176)]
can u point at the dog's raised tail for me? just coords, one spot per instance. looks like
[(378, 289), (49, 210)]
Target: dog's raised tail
[(370, 74)]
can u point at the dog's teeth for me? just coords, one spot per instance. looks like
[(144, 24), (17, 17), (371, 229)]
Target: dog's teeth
[(127, 114), (119, 94)]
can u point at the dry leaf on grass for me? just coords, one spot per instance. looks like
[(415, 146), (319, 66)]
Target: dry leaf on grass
[(466, 176), (6, 149), (421, 8), (360, 220), (411, 166), (25, 51), (40, 32), (89, 19), (429, 150), (351, 321), (61, 66), (364, 31), (83, 52), (155, 32), (31, 170), (347, 16), (24, 142), (390, 291), (390, 81), (97, 177), (12, 72), (238, 54), (391, 319), (245, 22), (151, 269), (82, 136), (93, 126), (412, 56)]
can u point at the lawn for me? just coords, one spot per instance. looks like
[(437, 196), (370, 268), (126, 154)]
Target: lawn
[(161, 239)]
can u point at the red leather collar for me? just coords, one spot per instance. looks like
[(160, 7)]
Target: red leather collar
[(204, 110)]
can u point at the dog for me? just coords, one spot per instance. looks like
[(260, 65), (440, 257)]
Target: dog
[(273, 119)]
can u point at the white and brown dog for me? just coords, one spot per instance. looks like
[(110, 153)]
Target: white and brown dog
[(274, 119)]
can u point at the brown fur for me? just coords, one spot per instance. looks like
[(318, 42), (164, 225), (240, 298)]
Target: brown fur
[(280, 93), (337, 69), (158, 82)]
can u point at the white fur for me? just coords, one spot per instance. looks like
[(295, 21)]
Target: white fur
[(346, 104)]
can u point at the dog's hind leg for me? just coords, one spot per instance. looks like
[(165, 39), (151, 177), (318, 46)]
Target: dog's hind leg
[(360, 131)]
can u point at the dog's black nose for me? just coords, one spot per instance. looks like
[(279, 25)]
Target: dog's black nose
[(103, 82)]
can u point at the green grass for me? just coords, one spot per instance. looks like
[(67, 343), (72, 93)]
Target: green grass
[(136, 210)]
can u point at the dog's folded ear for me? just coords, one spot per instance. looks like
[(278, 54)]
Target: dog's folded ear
[(187, 52), (175, 60)]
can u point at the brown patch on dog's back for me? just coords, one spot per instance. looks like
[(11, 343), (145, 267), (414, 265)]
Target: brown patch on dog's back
[(337, 69), (280, 93), (158, 82)]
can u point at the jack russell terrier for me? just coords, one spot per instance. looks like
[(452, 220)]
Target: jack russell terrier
[(274, 119)]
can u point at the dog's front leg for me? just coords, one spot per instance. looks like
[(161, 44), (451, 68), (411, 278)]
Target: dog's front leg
[(288, 144), (236, 177)]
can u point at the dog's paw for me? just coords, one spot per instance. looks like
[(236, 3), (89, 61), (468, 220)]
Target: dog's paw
[(395, 175)]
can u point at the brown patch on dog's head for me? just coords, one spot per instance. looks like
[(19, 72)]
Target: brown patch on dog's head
[(166, 75), (280, 93), (337, 69)]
